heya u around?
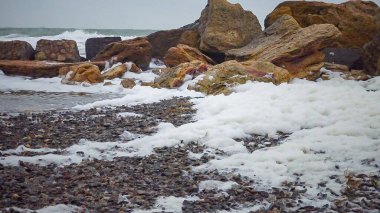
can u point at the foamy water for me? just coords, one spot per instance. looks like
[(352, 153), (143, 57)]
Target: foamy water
[(80, 36)]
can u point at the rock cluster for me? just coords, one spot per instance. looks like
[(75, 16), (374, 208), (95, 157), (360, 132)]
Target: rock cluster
[(57, 50)]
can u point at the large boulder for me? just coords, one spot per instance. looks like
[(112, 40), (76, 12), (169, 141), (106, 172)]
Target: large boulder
[(16, 50), (372, 56), (137, 50), (182, 54), (175, 77), (95, 45), (287, 45), (57, 50), (355, 19), (161, 41), (220, 78), (86, 72), (39, 69), (225, 26)]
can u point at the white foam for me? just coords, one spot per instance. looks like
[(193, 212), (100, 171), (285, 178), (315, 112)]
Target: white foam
[(57, 208)]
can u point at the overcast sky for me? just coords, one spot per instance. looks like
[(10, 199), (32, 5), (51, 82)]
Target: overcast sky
[(115, 14)]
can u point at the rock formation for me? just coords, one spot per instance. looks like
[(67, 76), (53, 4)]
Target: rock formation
[(182, 54), (355, 19), (57, 50), (16, 50), (95, 45), (287, 45), (137, 50)]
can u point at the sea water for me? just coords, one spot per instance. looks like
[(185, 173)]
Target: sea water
[(32, 35)]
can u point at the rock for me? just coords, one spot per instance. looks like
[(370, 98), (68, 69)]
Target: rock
[(336, 67), (287, 45), (57, 50), (371, 56), (133, 67), (350, 57), (161, 41), (115, 72), (108, 84), (128, 83), (355, 19), (84, 73), (221, 77), (39, 69), (95, 45), (182, 54), (224, 26), (174, 77), (16, 50), (137, 50)]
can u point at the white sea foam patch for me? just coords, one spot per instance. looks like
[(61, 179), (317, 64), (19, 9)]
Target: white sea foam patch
[(58, 208), (168, 204), (335, 126)]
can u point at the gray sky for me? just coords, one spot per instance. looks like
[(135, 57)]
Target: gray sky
[(115, 14)]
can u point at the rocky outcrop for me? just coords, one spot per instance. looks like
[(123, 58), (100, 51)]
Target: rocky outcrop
[(138, 50), (287, 45), (371, 56), (182, 54), (95, 45), (57, 50), (175, 77), (38, 69), (161, 41), (355, 19), (83, 73), (128, 83), (16, 50), (225, 26), (220, 78), (350, 57)]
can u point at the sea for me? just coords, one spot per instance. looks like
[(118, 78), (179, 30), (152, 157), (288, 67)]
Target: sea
[(32, 35)]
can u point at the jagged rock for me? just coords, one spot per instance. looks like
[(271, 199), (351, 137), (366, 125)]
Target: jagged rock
[(16, 50), (57, 50), (350, 57), (95, 45), (83, 73), (115, 72), (137, 50), (221, 77), (182, 54), (174, 77), (372, 56), (38, 69), (225, 26), (128, 83), (287, 45), (161, 41), (355, 19)]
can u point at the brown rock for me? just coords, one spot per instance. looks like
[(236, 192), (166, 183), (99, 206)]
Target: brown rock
[(220, 78), (287, 45), (128, 83), (163, 40), (38, 69), (225, 26), (134, 68), (16, 50), (95, 45), (371, 56), (116, 72), (52, 50), (355, 19), (182, 54), (84, 73), (137, 50), (174, 77)]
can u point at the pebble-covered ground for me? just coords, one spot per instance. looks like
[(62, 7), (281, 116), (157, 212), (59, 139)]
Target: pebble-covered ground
[(129, 183)]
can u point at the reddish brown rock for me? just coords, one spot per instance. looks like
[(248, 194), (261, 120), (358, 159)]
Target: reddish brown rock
[(355, 19), (95, 45), (287, 45), (57, 50), (225, 26), (16, 50), (38, 69), (137, 50), (182, 54), (128, 83), (163, 40)]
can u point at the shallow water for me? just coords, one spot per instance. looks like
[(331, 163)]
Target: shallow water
[(26, 101)]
